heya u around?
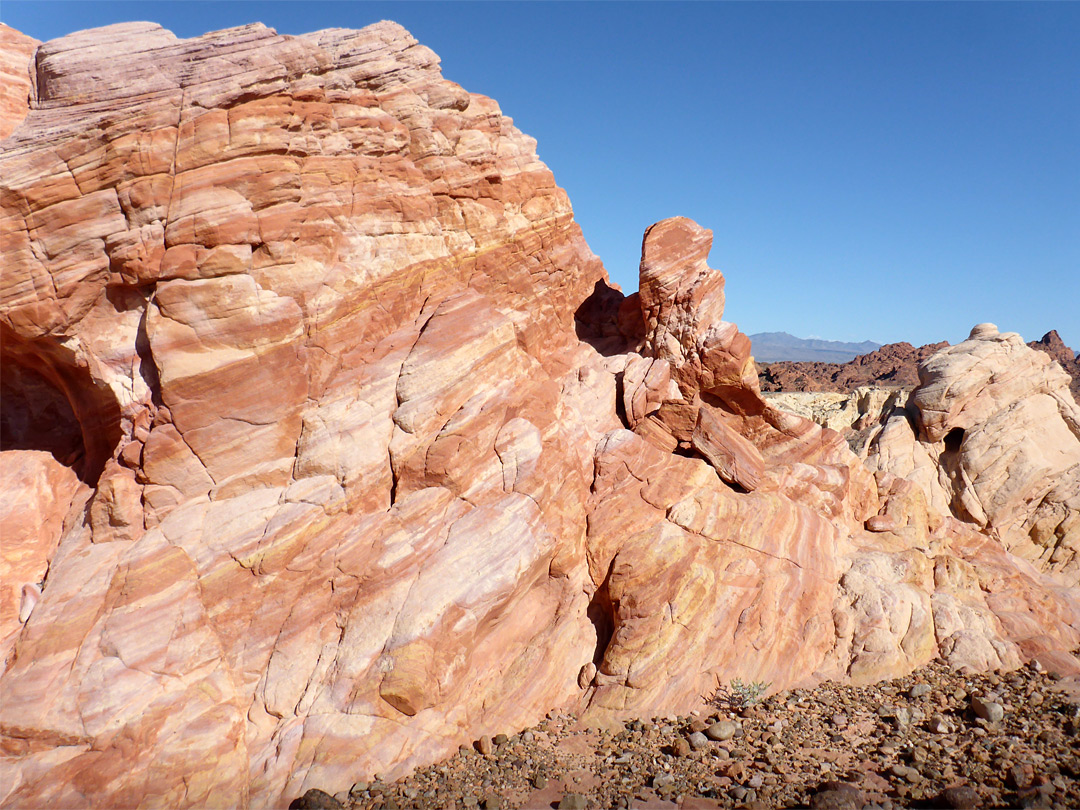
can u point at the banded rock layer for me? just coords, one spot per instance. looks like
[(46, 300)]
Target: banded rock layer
[(16, 80), (992, 435), (339, 450)]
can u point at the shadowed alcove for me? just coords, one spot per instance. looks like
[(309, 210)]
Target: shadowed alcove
[(49, 402)]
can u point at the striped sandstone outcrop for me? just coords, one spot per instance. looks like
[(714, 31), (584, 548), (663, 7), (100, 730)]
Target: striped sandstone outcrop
[(345, 452), (16, 79), (992, 436)]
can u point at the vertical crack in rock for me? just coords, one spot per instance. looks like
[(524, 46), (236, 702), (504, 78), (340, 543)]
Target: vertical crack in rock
[(147, 367)]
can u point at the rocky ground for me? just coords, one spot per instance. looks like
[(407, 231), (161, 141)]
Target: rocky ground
[(894, 365), (932, 739)]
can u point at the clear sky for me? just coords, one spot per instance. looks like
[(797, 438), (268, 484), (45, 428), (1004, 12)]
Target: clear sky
[(881, 171)]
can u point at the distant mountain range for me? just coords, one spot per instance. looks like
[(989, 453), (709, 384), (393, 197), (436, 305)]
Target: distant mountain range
[(770, 347)]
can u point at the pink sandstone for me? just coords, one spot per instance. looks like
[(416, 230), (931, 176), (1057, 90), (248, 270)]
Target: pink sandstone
[(16, 79), (346, 452)]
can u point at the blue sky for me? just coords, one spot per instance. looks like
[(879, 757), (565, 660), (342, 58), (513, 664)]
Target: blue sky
[(881, 171)]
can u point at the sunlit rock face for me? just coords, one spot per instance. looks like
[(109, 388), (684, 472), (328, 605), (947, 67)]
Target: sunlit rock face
[(993, 436), (345, 452), (16, 79)]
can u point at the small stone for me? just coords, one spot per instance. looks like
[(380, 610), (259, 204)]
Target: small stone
[(961, 797), (1019, 777), (939, 725), (698, 741), (491, 803), (470, 801), (527, 737), (586, 675), (316, 799), (357, 789), (662, 780), (987, 709), (919, 690), (484, 746), (500, 739), (736, 771), (681, 747), (902, 717), (698, 725), (899, 771), (724, 730), (539, 781), (837, 796)]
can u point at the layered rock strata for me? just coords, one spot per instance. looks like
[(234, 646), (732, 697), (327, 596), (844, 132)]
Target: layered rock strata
[(16, 79), (992, 435), (858, 415), (345, 452)]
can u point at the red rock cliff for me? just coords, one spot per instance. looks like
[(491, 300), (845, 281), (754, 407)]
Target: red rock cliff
[(340, 451), (16, 79)]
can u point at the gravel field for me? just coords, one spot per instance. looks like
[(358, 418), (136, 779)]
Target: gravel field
[(935, 738)]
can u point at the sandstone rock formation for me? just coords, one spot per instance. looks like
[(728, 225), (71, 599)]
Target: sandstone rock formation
[(1053, 345), (15, 77), (858, 415), (992, 434), (345, 452)]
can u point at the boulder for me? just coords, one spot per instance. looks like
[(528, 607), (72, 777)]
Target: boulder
[(994, 438)]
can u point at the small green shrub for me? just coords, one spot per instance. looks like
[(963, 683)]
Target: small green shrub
[(740, 694)]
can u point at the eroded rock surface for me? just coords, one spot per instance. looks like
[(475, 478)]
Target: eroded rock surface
[(367, 459), (16, 80), (992, 435), (858, 415)]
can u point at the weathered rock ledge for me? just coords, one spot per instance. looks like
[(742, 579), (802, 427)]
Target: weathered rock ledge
[(328, 446)]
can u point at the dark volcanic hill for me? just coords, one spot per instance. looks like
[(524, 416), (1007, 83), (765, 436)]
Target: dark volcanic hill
[(895, 364), (1053, 345)]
